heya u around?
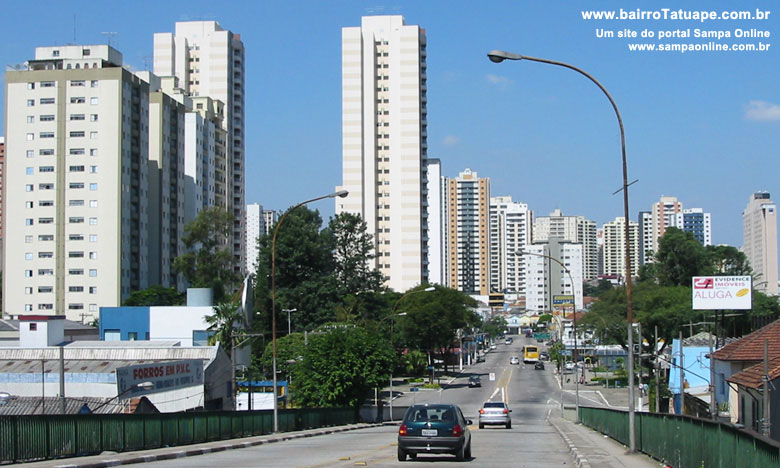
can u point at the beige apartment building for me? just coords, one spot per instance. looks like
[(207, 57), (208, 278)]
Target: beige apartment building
[(574, 229), (759, 228), (511, 230), (614, 247), (76, 225), (208, 61), (384, 142)]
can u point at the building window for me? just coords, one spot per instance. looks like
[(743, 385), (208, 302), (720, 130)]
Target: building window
[(93, 273), (76, 151), (75, 288), (93, 237), (75, 306), (47, 134), (93, 83), (93, 169), (46, 118), (28, 188), (45, 289), (77, 134), (46, 169), (93, 289), (30, 136), (93, 221), (28, 308), (45, 220), (28, 290), (47, 84), (77, 117), (76, 219), (76, 168), (33, 327), (45, 254), (93, 152), (28, 171), (29, 239), (93, 186), (45, 237), (30, 153), (76, 271), (45, 186), (93, 135), (93, 101), (75, 254), (28, 273), (30, 119), (46, 100), (30, 102), (76, 203), (76, 185), (132, 336), (30, 85), (93, 255), (46, 152), (77, 83), (77, 100), (28, 256), (76, 237), (29, 222), (112, 335), (45, 272)]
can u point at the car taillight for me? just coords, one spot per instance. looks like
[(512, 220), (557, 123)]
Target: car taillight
[(506, 410), (402, 430), (482, 411), (457, 431)]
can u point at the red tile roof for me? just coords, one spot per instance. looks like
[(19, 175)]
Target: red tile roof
[(751, 377), (751, 347)]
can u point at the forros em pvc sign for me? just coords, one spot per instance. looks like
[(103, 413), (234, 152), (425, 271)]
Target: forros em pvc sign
[(164, 376), (722, 293)]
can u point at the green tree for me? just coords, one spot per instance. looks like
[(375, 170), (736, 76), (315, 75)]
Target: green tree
[(289, 348), (728, 260), (155, 296), (595, 291), (353, 254), (226, 321), (209, 261), (494, 326), (433, 318), (341, 366), (304, 272), (415, 362), (680, 257)]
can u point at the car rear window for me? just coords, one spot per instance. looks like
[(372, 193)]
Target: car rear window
[(493, 404), (431, 414)]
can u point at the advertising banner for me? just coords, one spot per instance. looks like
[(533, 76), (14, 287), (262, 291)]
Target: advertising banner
[(722, 293), (164, 376), (561, 299)]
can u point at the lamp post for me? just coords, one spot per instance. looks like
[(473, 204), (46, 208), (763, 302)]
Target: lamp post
[(340, 194), (574, 326), (393, 314), (289, 327), (498, 56), (142, 385)]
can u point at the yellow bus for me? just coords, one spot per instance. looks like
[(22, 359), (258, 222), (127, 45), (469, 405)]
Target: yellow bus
[(530, 354)]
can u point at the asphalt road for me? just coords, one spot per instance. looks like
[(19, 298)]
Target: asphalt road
[(531, 442)]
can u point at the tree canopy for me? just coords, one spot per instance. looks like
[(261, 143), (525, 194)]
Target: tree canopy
[(155, 296)]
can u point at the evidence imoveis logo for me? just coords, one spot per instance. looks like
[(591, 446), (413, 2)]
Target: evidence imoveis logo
[(703, 283)]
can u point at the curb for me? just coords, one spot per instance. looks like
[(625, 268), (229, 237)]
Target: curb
[(579, 459), (116, 460)]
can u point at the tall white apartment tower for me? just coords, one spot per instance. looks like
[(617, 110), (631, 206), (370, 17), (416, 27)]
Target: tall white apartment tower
[(510, 231), (254, 229), (645, 221), (209, 61), (614, 249), (759, 221), (436, 245), (77, 140), (384, 142), (547, 279), (574, 229)]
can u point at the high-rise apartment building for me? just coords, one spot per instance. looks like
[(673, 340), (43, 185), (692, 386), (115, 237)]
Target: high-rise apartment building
[(77, 126), (510, 231), (436, 246), (467, 201), (269, 220), (663, 214), (255, 228), (546, 279), (614, 248), (574, 229), (697, 222), (646, 251), (208, 61), (2, 179), (384, 142), (759, 221)]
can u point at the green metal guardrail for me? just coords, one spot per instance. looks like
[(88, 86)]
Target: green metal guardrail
[(686, 442), (40, 437)]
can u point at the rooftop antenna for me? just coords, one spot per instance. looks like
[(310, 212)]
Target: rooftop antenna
[(110, 35)]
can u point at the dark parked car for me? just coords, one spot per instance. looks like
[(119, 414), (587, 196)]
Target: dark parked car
[(474, 381), (434, 428), (539, 365), (544, 356)]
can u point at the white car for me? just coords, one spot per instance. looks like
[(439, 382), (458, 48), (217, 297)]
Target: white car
[(514, 360), (492, 346)]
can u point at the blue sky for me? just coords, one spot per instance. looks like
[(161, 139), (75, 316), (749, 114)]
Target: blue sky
[(702, 126)]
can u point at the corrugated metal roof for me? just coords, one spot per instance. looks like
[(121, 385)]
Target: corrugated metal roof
[(15, 406)]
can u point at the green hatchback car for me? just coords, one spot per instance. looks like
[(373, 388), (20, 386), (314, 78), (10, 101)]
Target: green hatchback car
[(434, 428)]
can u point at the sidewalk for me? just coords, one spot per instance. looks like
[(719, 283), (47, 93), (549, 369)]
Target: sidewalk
[(591, 449)]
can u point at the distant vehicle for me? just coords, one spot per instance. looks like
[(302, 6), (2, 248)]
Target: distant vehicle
[(495, 413), (530, 354), (569, 366), (432, 428), (508, 341), (480, 358), (474, 381), (514, 360), (539, 365), (528, 333), (492, 346), (544, 356)]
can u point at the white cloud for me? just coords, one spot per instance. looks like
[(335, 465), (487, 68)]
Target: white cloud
[(450, 140), (500, 81), (762, 111)]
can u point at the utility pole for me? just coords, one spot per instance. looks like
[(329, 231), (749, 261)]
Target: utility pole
[(657, 374), (682, 376), (641, 399), (766, 423), (713, 405), (62, 379)]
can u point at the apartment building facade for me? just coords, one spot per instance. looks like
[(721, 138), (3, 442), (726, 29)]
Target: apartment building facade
[(574, 229), (759, 229), (77, 128), (547, 279), (511, 226), (384, 143), (208, 60), (614, 247)]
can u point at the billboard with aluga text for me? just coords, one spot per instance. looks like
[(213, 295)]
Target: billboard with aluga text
[(164, 376), (722, 293)]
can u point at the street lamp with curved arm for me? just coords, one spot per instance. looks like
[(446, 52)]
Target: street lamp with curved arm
[(574, 326), (392, 316), (498, 56), (340, 194)]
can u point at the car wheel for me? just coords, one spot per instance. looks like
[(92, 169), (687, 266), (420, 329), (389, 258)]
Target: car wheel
[(509, 425), (401, 454), (460, 454), (481, 426), (468, 451)]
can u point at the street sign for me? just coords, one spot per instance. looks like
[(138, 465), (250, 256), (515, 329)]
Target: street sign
[(492, 376)]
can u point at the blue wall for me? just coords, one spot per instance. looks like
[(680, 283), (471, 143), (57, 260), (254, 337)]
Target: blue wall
[(126, 320)]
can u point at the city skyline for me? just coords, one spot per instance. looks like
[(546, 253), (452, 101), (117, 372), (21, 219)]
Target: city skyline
[(699, 126)]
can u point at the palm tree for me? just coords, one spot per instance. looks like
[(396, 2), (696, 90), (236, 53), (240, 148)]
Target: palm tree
[(226, 321)]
